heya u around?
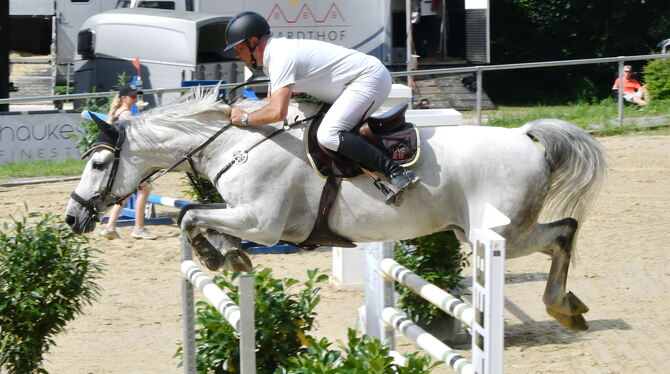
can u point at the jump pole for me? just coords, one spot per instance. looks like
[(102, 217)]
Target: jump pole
[(241, 317), (484, 318)]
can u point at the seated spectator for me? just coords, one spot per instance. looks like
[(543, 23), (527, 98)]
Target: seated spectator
[(633, 91), (424, 104)]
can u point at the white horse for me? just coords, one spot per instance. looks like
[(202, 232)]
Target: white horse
[(272, 193)]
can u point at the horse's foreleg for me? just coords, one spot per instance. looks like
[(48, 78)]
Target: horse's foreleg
[(220, 244), (555, 239)]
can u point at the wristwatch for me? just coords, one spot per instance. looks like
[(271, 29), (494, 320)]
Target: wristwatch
[(244, 118)]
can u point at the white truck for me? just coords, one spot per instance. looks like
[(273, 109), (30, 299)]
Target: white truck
[(444, 31), (171, 46)]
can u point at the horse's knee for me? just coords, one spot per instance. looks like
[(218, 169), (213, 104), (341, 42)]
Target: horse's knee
[(560, 238), (566, 239), (187, 214)]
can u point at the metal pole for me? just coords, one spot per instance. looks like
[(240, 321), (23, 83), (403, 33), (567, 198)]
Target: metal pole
[(620, 95), (188, 318), (247, 325), (67, 79), (4, 53), (408, 30), (479, 97)]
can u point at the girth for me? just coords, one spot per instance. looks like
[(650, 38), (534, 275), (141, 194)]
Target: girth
[(388, 131)]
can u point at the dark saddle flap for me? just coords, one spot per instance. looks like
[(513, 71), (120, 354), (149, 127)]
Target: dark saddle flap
[(388, 121), (387, 131)]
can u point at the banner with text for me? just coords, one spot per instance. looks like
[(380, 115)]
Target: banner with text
[(37, 137), (361, 25)]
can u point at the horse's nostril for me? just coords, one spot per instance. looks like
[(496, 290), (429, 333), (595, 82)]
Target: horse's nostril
[(70, 220)]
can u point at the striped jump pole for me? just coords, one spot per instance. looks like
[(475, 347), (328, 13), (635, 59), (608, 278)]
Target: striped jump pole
[(433, 346), (484, 318), (214, 295), (241, 317), (167, 201), (451, 305)]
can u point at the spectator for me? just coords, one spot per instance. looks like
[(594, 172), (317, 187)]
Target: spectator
[(121, 110), (424, 104), (633, 91)]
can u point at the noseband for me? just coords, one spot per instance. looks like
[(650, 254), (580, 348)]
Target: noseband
[(114, 143), (104, 142)]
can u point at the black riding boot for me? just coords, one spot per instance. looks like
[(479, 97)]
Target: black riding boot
[(369, 157)]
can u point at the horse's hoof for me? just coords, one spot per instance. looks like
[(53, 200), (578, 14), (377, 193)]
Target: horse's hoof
[(575, 304), (577, 322), (206, 252), (237, 260)]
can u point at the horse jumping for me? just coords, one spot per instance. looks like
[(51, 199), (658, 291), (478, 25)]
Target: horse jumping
[(548, 170)]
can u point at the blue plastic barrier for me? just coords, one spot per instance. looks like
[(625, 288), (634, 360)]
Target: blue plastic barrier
[(127, 218)]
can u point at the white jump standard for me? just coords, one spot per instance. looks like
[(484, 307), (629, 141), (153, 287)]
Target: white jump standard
[(484, 318), (241, 317)]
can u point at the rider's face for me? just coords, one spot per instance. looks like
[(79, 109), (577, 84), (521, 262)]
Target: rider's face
[(242, 52)]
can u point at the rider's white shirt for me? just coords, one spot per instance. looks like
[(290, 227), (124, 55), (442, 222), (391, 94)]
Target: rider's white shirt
[(318, 68)]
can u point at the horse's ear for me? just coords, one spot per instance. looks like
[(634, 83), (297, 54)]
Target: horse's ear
[(104, 126)]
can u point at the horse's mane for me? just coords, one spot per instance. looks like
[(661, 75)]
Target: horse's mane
[(199, 112), (192, 112)]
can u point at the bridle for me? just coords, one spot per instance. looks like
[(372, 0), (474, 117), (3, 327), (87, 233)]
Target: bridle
[(115, 140), (104, 142)]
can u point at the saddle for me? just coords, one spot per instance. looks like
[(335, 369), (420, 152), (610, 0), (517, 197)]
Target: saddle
[(388, 131)]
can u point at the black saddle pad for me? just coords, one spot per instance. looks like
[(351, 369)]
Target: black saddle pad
[(401, 144)]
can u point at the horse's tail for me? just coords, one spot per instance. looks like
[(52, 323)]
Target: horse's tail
[(578, 166)]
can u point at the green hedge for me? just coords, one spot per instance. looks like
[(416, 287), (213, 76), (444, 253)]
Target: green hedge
[(657, 78), (438, 259), (47, 276)]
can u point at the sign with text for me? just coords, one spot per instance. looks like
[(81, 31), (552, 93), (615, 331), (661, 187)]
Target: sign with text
[(40, 136), (361, 25)]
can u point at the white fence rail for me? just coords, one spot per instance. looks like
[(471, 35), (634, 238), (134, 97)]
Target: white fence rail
[(478, 70), (484, 318), (241, 317)]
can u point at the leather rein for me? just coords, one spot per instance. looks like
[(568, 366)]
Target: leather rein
[(239, 157)]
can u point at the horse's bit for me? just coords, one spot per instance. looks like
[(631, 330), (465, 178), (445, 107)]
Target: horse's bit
[(239, 157), (89, 204)]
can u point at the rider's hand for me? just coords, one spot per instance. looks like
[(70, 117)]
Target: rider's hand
[(235, 114)]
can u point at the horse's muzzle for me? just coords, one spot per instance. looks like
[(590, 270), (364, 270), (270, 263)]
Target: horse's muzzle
[(81, 223)]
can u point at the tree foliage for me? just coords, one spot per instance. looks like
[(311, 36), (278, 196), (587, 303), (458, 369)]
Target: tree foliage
[(546, 30), (658, 78)]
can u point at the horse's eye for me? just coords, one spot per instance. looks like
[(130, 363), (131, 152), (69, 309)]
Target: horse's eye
[(98, 165)]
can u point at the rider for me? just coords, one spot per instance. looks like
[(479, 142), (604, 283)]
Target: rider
[(354, 83)]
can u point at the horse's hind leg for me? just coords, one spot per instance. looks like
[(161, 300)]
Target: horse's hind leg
[(556, 240)]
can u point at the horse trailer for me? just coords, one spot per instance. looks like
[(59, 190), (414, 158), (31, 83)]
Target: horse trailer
[(172, 46)]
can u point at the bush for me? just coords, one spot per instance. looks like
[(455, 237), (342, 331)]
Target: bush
[(657, 78), (438, 259), (47, 275), (209, 193), (282, 321), (362, 355)]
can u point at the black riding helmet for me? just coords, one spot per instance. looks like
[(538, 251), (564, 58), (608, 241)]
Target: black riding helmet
[(243, 26)]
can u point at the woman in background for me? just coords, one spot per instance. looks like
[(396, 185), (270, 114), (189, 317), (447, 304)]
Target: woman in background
[(121, 110)]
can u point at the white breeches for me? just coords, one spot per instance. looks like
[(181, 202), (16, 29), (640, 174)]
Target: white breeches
[(358, 101)]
